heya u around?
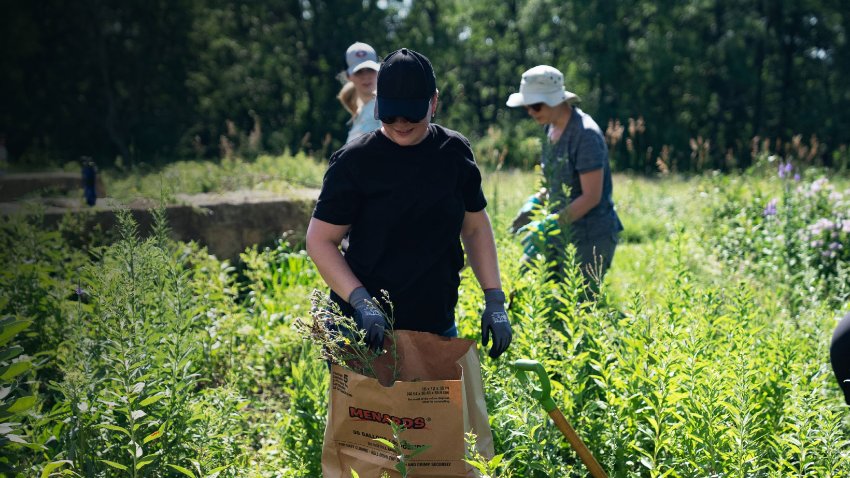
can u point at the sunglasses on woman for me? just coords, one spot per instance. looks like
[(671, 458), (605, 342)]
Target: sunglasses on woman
[(535, 107), (393, 119)]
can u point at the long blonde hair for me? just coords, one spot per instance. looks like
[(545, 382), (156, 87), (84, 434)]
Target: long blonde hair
[(348, 97)]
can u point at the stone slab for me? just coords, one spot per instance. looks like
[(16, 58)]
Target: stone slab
[(226, 223)]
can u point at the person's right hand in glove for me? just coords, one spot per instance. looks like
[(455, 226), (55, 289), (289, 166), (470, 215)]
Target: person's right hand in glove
[(536, 234), (495, 320), (368, 317)]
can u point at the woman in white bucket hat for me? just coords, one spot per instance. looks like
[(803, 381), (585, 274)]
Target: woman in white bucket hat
[(577, 200)]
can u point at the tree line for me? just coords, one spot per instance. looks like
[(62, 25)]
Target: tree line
[(691, 84)]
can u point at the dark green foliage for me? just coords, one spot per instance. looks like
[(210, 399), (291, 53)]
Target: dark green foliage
[(152, 81)]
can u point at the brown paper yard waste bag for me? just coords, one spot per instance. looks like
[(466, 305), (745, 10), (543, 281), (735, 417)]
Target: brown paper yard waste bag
[(438, 396)]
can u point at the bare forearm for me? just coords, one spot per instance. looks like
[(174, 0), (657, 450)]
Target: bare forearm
[(480, 248), (333, 268), (323, 241), (591, 194), (578, 208)]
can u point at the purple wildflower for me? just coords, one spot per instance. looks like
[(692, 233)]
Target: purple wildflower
[(770, 209), (797, 177), (822, 225), (785, 169)]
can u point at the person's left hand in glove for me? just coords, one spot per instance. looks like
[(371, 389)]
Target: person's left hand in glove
[(523, 217), (494, 320)]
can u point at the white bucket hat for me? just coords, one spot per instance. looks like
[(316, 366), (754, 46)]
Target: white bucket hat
[(542, 84)]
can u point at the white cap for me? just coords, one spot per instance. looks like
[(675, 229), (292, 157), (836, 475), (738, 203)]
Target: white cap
[(542, 84), (360, 55)]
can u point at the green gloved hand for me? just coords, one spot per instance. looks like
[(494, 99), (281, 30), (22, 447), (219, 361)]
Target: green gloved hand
[(523, 217), (537, 234)]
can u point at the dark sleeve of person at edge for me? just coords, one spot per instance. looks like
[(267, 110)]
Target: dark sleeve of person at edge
[(839, 353)]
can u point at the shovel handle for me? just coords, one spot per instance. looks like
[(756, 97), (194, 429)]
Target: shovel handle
[(593, 466), (544, 396)]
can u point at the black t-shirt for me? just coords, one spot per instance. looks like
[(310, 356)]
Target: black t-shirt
[(406, 206)]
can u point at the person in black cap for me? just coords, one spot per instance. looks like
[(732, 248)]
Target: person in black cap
[(407, 194), (839, 354)]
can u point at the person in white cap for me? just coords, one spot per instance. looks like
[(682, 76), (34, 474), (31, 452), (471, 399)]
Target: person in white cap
[(357, 95), (578, 189)]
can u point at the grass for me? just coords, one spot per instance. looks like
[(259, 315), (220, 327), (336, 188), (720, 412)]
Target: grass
[(277, 174)]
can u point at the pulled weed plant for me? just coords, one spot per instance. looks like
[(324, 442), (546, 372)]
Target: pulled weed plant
[(341, 340)]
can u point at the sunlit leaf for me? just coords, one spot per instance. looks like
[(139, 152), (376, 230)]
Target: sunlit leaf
[(152, 436), (115, 465), (385, 442), (8, 328), (152, 399), (116, 428), (216, 471), (15, 438), (183, 470), (11, 371), (54, 465), (21, 404)]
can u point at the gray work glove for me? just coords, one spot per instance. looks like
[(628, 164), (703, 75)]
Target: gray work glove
[(495, 319), (368, 317)]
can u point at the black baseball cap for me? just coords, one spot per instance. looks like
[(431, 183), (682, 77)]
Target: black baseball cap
[(406, 83)]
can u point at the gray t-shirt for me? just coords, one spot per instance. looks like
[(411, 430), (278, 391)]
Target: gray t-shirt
[(581, 148)]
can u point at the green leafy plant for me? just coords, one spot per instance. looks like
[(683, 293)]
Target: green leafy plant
[(404, 449), (488, 468), (15, 398)]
